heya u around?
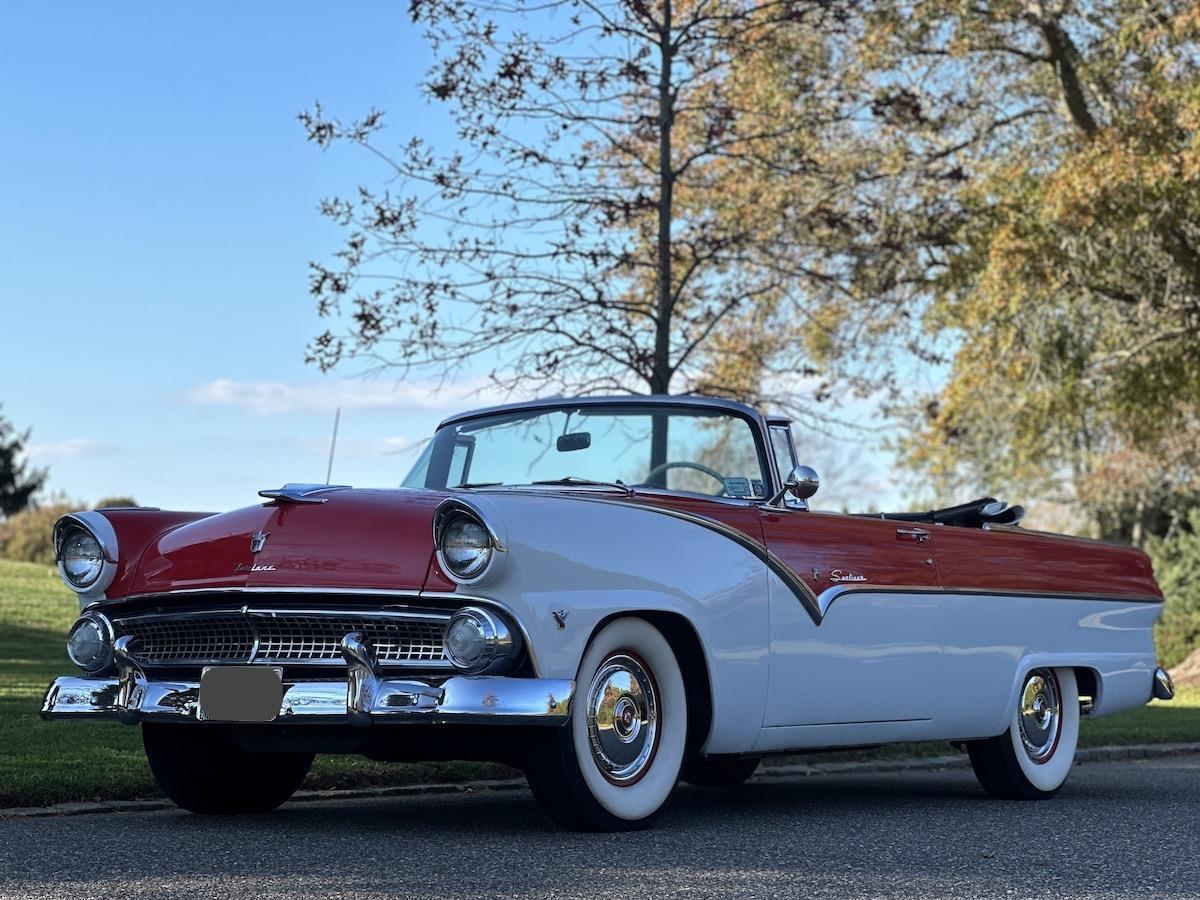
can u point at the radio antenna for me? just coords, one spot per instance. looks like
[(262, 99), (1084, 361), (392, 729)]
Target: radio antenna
[(337, 416)]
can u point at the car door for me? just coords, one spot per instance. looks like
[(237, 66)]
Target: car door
[(864, 646)]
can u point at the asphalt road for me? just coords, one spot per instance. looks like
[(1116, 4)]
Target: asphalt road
[(1117, 829)]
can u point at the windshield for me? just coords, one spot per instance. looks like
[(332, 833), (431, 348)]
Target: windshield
[(702, 451)]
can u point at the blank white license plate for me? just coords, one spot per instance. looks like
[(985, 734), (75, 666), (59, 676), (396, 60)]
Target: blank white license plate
[(240, 693)]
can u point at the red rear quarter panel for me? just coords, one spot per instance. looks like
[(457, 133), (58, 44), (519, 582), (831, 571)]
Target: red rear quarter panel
[(1014, 559)]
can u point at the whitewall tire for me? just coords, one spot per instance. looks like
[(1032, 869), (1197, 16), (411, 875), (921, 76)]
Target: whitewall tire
[(616, 762), (1032, 759)]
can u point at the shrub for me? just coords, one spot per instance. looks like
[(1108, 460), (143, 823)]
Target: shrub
[(1177, 565), (116, 501), (30, 533)]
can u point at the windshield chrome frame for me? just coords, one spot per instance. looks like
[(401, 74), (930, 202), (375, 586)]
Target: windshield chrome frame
[(757, 422)]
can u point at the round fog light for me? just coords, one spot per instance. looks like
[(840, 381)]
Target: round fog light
[(90, 643), (466, 641), (477, 640)]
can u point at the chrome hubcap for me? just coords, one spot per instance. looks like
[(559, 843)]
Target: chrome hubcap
[(622, 719), (1040, 714)]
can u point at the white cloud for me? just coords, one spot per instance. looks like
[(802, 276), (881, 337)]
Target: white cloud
[(66, 449), (273, 398)]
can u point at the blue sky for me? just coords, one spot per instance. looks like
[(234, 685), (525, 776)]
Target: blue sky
[(159, 209), (158, 212)]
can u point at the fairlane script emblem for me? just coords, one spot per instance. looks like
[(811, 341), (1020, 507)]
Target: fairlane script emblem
[(242, 568), (838, 575), (258, 540)]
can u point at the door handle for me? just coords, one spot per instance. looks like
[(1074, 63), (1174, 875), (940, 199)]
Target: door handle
[(920, 535)]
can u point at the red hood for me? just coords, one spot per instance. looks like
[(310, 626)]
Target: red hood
[(356, 539)]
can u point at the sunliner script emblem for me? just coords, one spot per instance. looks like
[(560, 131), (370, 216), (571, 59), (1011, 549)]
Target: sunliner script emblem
[(841, 575)]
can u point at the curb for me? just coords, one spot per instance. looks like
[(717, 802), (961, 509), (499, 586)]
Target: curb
[(766, 773), (119, 806), (960, 761)]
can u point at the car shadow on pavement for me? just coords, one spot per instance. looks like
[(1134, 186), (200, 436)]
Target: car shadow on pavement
[(501, 813)]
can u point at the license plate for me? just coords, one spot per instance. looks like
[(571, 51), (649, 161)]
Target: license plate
[(240, 693)]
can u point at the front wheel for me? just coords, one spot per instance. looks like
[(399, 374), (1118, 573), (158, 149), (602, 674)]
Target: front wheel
[(204, 771), (615, 763), (1032, 759)]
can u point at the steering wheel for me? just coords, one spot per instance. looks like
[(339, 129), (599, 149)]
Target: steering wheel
[(663, 468)]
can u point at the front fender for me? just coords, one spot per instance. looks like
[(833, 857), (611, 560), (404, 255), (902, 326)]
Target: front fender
[(573, 563)]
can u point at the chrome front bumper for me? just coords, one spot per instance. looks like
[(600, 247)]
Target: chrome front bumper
[(363, 698)]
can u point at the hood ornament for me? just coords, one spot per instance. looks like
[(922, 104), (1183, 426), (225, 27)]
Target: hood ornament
[(302, 493), (258, 540)]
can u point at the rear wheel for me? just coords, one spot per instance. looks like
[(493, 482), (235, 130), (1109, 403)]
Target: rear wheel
[(717, 771), (1032, 759), (203, 771), (615, 763)]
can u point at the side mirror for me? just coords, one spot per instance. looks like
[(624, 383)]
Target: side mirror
[(803, 482)]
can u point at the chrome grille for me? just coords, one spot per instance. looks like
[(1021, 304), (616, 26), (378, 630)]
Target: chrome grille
[(296, 636), (217, 637), (302, 637)]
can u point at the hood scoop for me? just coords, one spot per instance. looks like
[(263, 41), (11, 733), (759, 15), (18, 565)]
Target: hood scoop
[(302, 493)]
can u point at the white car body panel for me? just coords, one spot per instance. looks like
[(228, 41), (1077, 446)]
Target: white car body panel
[(882, 665), (618, 559)]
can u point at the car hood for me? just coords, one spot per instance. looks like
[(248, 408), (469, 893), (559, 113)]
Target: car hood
[(356, 539)]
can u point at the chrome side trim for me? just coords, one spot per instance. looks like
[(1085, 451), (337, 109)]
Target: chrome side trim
[(1020, 529), (826, 597), (299, 591), (268, 613)]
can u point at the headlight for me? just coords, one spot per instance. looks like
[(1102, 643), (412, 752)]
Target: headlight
[(81, 557), (469, 545), (85, 547), (90, 643), (478, 641), (466, 547)]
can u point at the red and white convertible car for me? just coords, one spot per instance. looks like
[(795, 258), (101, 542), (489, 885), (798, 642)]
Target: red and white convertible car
[(611, 593)]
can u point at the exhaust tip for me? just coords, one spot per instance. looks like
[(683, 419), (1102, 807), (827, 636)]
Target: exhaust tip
[(1164, 686)]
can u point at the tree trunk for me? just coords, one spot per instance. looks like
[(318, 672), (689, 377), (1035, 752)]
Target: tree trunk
[(660, 375)]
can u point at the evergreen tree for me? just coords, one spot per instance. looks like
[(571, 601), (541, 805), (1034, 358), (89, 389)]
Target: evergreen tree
[(18, 482)]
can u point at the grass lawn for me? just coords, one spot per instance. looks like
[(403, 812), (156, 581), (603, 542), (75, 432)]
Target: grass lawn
[(50, 762)]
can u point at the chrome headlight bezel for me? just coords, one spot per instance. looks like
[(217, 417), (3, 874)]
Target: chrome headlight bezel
[(500, 642), (457, 511), (100, 530), (103, 661)]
